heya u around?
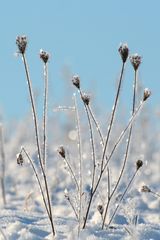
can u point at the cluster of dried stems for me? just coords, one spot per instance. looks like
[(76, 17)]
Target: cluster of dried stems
[(98, 170)]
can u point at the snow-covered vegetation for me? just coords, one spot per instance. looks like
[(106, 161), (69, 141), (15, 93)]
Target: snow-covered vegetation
[(86, 176)]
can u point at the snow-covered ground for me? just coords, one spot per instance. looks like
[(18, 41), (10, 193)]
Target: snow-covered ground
[(24, 216)]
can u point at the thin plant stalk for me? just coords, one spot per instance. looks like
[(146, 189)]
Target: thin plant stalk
[(80, 160), (2, 165), (102, 142), (71, 172), (124, 132), (154, 193), (45, 112), (73, 208), (123, 195), (112, 115), (97, 125), (126, 152), (37, 177), (93, 159), (33, 108), (37, 138)]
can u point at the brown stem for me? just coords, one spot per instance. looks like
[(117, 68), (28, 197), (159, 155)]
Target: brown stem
[(93, 158), (127, 149), (45, 112), (112, 116), (37, 138)]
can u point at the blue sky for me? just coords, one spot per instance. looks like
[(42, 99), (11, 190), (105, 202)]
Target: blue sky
[(83, 37)]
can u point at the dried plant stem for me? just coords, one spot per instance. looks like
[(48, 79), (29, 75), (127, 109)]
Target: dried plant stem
[(93, 159), (80, 160), (122, 197), (37, 177), (124, 132), (102, 141), (2, 166), (110, 128), (154, 193), (45, 112), (37, 138), (126, 152), (112, 116), (73, 208), (71, 172), (96, 124), (33, 108)]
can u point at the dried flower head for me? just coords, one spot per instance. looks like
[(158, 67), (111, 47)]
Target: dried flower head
[(135, 60), (20, 159), (139, 164), (66, 194), (86, 98), (44, 56), (100, 209), (21, 42), (145, 189), (124, 51), (76, 81), (61, 151), (146, 94)]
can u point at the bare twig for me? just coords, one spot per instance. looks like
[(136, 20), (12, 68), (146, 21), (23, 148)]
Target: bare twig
[(80, 160), (126, 152), (45, 112)]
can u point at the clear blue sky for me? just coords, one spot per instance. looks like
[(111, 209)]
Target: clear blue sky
[(83, 37)]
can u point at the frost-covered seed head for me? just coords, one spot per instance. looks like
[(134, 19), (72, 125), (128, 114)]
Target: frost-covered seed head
[(146, 94), (124, 51), (76, 81), (21, 42), (44, 56), (61, 151), (135, 60), (100, 209), (145, 189), (86, 98), (139, 164), (66, 194), (20, 159)]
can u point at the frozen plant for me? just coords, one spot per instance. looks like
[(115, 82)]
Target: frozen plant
[(21, 42)]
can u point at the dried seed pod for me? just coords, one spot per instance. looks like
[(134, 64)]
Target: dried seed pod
[(135, 60), (145, 189), (146, 94), (44, 56), (139, 164), (124, 51), (86, 98), (20, 159), (21, 42), (61, 151), (100, 209), (76, 81)]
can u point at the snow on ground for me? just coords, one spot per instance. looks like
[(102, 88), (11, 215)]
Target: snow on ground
[(24, 217)]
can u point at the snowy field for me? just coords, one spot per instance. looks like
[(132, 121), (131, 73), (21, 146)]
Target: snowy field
[(24, 216)]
